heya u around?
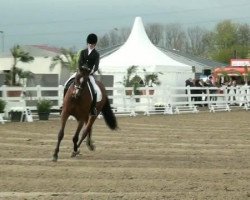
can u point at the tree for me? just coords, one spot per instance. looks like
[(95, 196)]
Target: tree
[(124, 32), (103, 42), (222, 55), (175, 37), (68, 59), (225, 34), (195, 40), (208, 42), (16, 74), (154, 32), (114, 37), (230, 41), (243, 35)]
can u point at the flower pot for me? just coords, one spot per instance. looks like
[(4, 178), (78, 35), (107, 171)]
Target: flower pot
[(43, 115), (137, 100), (15, 116), (14, 93), (142, 92), (159, 108), (128, 92), (151, 92)]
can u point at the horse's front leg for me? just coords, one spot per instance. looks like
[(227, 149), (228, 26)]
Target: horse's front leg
[(89, 141), (60, 135), (59, 139), (75, 139)]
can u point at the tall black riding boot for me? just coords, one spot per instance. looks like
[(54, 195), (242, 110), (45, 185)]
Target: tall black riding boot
[(93, 110)]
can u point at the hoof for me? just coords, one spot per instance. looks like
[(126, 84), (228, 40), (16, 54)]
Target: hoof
[(75, 153), (91, 147), (55, 158)]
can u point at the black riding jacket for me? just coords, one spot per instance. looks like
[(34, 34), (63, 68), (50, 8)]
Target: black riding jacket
[(91, 61)]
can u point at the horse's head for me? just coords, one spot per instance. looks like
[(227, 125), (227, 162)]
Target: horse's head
[(85, 71), (81, 80)]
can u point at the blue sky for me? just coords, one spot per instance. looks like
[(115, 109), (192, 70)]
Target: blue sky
[(66, 23)]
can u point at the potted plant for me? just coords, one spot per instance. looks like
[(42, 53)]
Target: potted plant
[(159, 107), (2, 105), (15, 114), (2, 108), (43, 109), (16, 76), (151, 79), (132, 80), (67, 58)]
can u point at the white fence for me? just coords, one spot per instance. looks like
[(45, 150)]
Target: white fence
[(169, 100)]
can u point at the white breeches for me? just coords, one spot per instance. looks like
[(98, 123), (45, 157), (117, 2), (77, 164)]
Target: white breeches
[(91, 78)]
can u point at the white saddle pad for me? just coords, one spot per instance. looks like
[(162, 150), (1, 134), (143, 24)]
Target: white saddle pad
[(98, 92)]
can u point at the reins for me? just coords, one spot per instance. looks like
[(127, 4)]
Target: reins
[(79, 87)]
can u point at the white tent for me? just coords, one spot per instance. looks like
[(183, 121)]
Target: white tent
[(139, 51)]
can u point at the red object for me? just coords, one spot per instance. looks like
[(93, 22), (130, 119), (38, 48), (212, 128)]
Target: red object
[(236, 71)]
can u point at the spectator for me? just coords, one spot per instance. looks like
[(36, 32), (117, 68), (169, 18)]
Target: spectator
[(198, 83), (189, 82)]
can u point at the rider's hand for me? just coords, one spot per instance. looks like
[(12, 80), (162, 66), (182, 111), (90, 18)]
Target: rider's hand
[(86, 67)]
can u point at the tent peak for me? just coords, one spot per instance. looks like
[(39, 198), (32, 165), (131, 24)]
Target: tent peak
[(140, 51), (138, 34)]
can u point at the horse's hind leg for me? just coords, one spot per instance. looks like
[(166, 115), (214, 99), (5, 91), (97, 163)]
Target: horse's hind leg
[(75, 139), (86, 130), (84, 134), (89, 141)]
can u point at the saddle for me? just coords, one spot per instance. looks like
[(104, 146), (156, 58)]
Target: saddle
[(96, 88)]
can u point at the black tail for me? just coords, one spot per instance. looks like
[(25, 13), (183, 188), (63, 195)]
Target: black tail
[(109, 116)]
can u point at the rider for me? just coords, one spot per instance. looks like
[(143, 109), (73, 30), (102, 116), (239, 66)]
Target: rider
[(89, 58)]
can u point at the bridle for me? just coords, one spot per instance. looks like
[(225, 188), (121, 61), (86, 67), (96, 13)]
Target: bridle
[(79, 87)]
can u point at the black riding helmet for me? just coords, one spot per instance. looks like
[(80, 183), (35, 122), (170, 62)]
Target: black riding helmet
[(92, 38)]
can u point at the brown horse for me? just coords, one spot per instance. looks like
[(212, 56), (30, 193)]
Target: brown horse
[(77, 102)]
